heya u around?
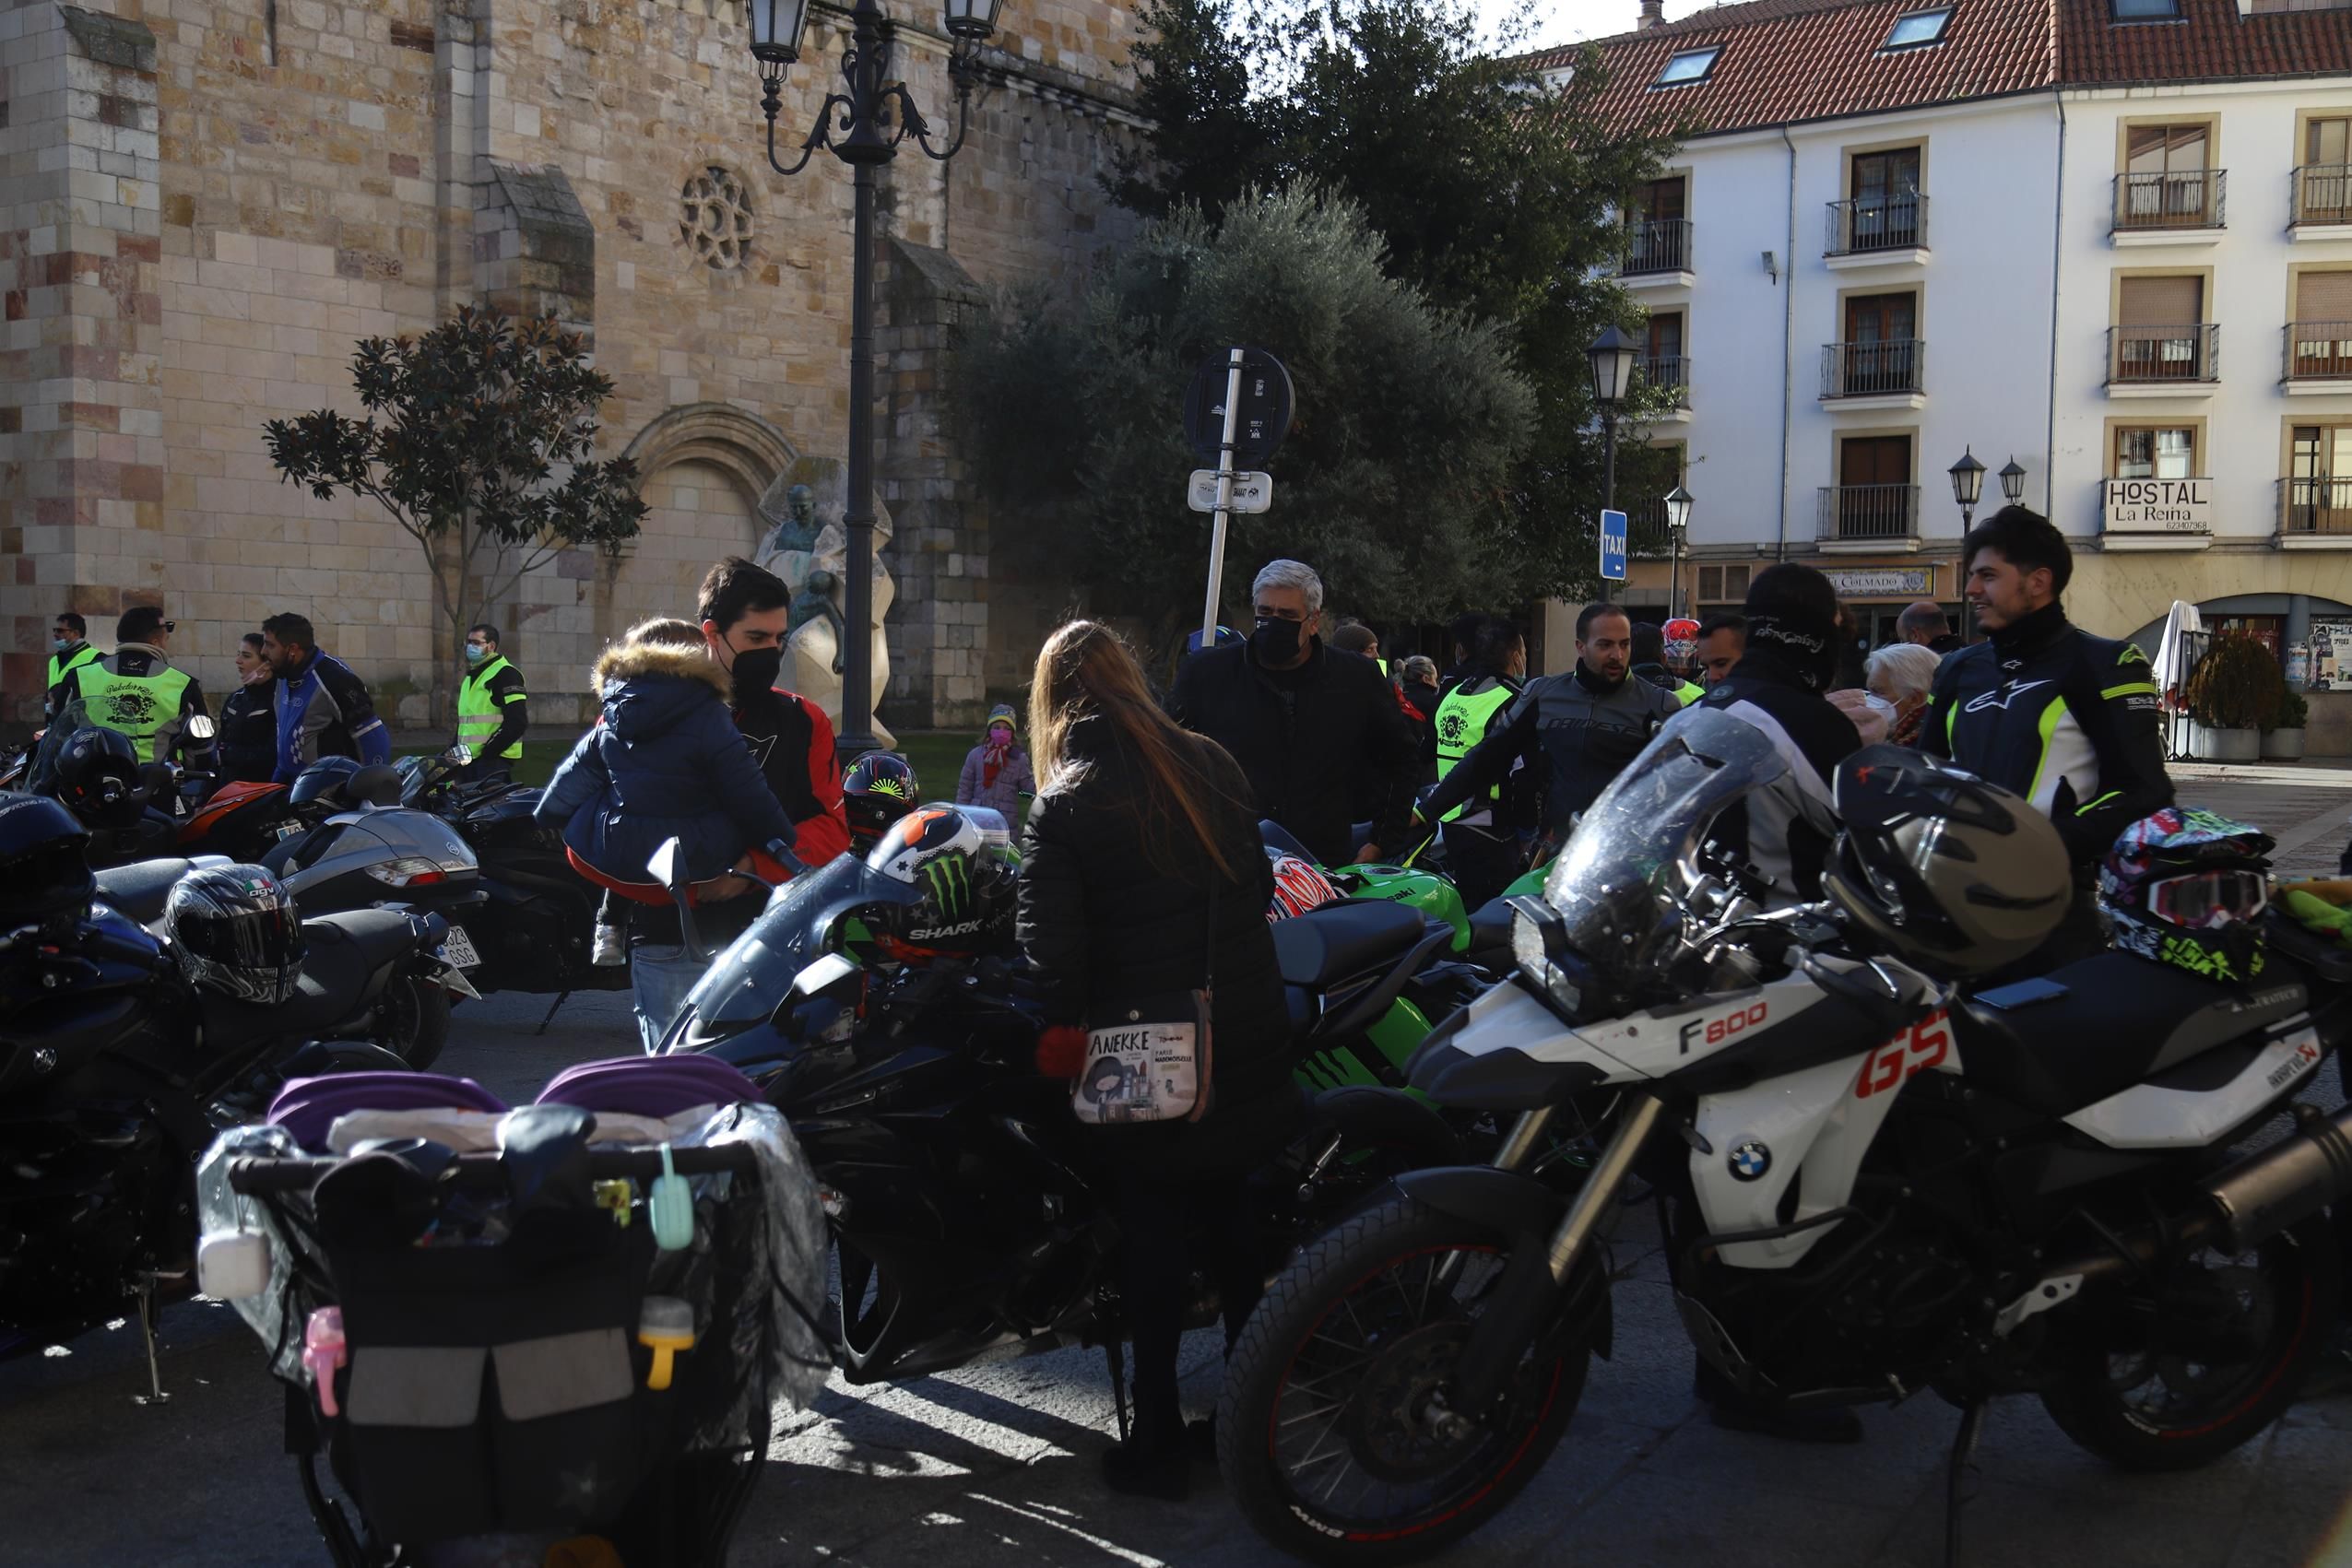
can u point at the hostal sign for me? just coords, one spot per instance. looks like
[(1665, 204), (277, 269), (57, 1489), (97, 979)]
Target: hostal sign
[(2158, 506)]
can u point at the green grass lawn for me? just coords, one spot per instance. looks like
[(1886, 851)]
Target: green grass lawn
[(936, 757)]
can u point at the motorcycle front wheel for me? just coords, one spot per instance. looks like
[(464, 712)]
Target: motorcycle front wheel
[(1331, 1430)]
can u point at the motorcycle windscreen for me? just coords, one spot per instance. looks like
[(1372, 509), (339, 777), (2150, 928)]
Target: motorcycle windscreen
[(746, 984), (1616, 880)]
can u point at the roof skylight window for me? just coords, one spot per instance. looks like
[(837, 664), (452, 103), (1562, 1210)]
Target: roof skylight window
[(1691, 65), (1916, 28)]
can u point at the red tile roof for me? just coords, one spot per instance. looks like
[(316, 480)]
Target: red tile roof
[(2210, 42), (1786, 62)]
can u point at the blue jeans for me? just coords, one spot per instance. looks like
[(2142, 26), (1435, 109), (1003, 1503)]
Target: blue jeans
[(661, 975)]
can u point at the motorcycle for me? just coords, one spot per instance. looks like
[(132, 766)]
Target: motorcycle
[(115, 1075), (1885, 1185), (966, 1223)]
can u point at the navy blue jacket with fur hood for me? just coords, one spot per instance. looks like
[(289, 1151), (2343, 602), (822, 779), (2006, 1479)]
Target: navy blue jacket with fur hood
[(666, 762)]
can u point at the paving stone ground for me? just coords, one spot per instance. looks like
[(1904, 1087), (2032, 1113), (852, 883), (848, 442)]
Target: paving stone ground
[(996, 1465)]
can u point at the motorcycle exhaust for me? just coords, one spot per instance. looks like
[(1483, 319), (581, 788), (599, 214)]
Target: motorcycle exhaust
[(2285, 1183)]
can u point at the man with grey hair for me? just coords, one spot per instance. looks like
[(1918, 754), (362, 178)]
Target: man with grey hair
[(1306, 723), (1924, 623)]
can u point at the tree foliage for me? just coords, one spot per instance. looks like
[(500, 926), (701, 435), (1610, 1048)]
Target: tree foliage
[(1494, 190), (1411, 418), (478, 439)]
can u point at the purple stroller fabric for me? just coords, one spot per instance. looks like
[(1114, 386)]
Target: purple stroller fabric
[(649, 1086), (307, 1107)]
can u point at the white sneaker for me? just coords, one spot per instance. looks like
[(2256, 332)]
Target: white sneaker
[(610, 948)]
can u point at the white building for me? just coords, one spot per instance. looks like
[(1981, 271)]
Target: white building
[(2107, 241)]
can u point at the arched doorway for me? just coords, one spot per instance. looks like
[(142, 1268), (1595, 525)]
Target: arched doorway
[(703, 467)]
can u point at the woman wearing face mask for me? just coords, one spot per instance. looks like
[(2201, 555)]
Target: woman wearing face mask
[(248, 724), (1903, 674)]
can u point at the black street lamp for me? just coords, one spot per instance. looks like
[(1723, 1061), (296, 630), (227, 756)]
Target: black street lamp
[(2012, 482), (1678, 518), (1968, 484), (863, 126), (1611, 356)]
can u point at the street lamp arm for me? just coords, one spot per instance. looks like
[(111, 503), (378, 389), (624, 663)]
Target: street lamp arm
[(820, 134), (912, 124)]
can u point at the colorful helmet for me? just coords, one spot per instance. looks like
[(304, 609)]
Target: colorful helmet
[(2187, 888), (879, 790), (235, 931), (1299, 886), (955, 859), (1681, 642), (98, 777)]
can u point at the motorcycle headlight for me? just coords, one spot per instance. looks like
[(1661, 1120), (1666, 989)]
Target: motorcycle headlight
[(1540, 948)]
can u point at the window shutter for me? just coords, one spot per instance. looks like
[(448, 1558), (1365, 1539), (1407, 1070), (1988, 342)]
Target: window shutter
[(1710, 585), (1735, 580), (2323, 296), (2162, 301)]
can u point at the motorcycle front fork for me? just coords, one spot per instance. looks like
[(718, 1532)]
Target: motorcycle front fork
[(1532, 1280)]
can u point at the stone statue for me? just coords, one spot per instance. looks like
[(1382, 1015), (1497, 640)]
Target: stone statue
[(807, 547)]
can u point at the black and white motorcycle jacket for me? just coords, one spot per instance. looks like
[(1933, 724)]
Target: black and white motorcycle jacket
[(2065, 719), (1786, 827)]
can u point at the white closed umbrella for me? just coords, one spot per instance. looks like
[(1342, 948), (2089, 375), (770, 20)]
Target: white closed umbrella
[(2172, 656)]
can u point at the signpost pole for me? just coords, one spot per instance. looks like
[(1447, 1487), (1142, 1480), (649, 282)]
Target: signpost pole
[(1225, 500)]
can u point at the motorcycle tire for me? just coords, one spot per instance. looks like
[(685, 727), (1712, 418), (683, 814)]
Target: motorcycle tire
[(1338, 1282), (2293, 1287), (412, 1021)]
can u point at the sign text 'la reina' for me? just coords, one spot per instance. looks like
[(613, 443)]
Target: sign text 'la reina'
[(2158, 506)]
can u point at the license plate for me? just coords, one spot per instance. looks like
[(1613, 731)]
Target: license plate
[(458, 949)]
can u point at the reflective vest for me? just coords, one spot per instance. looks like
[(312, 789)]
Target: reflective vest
[(138, 705), (1689, 693), (60, 668), (1459, 724), (477, 712)]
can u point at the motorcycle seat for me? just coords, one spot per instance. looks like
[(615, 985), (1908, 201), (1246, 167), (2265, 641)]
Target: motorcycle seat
[(1489, 926), (1325, 946), (140, 890), (344, 952), (2122, 1019)]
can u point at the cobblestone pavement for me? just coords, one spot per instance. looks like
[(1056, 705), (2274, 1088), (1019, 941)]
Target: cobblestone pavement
[(996, 1465)]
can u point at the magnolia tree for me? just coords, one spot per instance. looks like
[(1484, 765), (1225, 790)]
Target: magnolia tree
[(479, 438)]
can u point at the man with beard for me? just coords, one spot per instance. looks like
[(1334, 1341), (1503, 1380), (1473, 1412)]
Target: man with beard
[(1579, 728)]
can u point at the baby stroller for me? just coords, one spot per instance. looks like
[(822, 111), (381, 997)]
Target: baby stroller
[(543, 1335)]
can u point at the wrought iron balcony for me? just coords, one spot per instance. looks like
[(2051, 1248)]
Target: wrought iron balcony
[(1647, 536), (2157, 354), (2323, 195), (1876, 223), (1887, 368), (2319, 350), (2187, 198), (1657, 245), (2321, 505), (1869, 511), (1667, 372)]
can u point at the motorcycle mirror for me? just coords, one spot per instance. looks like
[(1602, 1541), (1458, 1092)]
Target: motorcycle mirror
[(199, 727), (664, 864), (460, 754), (669, 868)]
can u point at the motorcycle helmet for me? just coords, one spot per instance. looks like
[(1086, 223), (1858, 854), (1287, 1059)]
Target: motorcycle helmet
[(967, 884), (1299, 886), (879, 790), (42, 871), (98, 777), (1945, 871), (1682, 644), (326, 781), (234, 931), (2187, 888)]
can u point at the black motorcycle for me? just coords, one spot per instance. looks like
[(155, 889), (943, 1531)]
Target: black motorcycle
[(115, 1075), (967, 1218)]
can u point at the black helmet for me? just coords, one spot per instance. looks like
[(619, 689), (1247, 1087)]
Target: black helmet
[(328, 780), (42, 871), (957, 860), (879, 790), (1943, 868), (234, 930), (98, 776)]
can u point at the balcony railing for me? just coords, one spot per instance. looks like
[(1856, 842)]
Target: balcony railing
[(1647, 536), (2187, 198), (2319, 350), (1870, 512), (1657, 245), (2142, 355), (1668, 373), (2323, 194), (2315, 506), (1882, 369), (1876, 223)]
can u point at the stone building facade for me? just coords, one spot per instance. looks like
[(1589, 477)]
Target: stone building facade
[(205, 202)]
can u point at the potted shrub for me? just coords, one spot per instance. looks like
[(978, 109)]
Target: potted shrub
[(2233, 695), (2284, 740)]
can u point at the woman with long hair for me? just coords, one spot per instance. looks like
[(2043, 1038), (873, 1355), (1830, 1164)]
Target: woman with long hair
[(1142, 874)]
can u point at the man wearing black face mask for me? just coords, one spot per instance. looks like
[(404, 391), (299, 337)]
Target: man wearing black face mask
[(744, 610), (1306, 721)]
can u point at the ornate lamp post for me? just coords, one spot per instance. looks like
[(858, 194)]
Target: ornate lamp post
[(2012, 482), (1678, 518), (1968, 483), (863, 126), (1611, 356)]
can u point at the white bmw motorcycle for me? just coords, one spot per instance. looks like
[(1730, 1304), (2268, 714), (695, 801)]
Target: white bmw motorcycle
[(1882, 1183)]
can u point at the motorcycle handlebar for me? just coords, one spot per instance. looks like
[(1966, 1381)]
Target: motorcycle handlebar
[(261, 1175)]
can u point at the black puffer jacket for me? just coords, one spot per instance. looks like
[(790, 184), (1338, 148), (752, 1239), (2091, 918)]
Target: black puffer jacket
[(248, 730), (1101, 923)]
